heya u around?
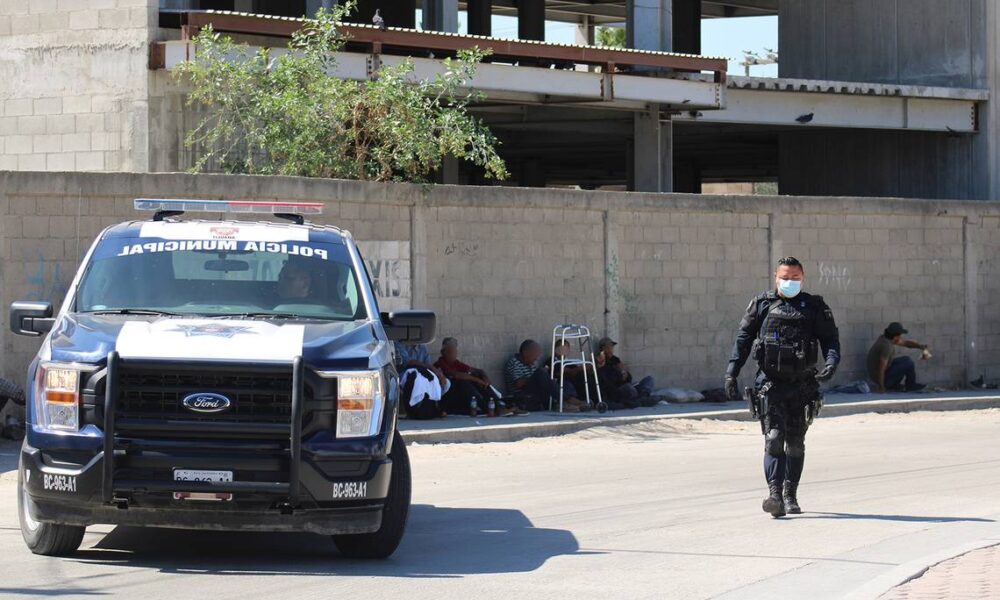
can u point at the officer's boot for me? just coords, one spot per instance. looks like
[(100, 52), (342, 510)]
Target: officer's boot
[(791, 499), (774, 504)]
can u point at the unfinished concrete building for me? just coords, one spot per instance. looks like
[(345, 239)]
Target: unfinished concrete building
[(879, 98)]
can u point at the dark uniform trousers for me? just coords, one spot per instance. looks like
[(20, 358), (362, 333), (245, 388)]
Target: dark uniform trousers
[(785, 426)]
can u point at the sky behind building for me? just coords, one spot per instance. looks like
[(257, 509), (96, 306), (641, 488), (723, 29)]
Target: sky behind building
[(719, 37)]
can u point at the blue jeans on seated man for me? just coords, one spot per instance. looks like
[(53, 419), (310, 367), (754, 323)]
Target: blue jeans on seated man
[(901, 374), (540, 388), (639, 390)]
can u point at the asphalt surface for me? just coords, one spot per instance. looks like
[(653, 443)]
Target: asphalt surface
[(667, 509), (462, 428)]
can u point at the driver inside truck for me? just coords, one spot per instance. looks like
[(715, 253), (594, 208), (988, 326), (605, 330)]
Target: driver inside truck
[(294, 282)]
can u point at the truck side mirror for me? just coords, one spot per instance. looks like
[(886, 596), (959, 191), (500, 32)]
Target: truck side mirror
[(31, 318), (410, 326)]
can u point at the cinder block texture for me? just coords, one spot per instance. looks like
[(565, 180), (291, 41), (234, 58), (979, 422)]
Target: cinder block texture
[(668, 276), (66, 65)]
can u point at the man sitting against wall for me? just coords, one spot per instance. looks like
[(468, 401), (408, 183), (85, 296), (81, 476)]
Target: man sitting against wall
[(617, 385), (471, 389), (889, 372), (530, 384)]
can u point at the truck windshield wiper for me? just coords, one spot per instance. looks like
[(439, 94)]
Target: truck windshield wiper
[(134, 311), (273, 315), (259, 315)]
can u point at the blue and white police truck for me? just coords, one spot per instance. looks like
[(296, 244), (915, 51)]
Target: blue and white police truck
[(217, 374)]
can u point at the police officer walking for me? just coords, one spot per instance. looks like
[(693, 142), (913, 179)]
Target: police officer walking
[(782, 329)]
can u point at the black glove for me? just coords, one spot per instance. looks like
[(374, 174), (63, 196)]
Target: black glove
[(827, 373), (732, 389)]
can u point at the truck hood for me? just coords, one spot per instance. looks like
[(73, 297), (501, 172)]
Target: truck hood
[(322, 344)]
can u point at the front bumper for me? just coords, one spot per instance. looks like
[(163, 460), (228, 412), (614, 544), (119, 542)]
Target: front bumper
[(59, 491)]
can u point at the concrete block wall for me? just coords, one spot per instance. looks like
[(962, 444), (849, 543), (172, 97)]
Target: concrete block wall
[(502, 274), (74, 96), (668, 275), (878, 268), (686, 278)]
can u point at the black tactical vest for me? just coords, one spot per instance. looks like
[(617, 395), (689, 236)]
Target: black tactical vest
[(786, 345)]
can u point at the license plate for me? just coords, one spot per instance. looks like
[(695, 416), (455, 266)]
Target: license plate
[(196, 475)]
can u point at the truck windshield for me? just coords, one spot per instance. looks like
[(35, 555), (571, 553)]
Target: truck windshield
[(221, 277)]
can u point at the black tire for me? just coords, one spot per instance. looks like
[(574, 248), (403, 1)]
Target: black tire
[(47, 539), (382, 543)]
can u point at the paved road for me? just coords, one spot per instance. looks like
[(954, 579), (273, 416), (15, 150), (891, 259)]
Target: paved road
[(657, 510)]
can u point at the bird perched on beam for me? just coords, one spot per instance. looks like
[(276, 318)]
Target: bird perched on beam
[(378, 21), (805, 118)]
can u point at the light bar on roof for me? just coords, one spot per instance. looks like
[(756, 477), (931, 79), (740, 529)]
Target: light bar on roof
[(229, 206)]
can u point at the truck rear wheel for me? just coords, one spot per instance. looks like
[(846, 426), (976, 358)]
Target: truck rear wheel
[(47, 539), (382, 543)]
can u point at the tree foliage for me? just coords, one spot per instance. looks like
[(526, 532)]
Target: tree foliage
[(280, 112), (611, 37)]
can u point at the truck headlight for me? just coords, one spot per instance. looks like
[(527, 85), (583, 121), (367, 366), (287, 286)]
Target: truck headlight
[(359, 404), (57, 397)]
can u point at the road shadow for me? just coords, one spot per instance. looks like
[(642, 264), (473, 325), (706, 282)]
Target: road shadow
[(8, 455), (899, 518), (439, 542)]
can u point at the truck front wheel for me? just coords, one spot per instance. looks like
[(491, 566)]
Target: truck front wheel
[(47, 539), (382, 543)]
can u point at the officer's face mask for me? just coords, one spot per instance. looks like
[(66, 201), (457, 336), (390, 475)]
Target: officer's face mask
[(789, 288)]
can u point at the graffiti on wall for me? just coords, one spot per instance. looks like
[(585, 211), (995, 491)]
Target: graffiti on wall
[(389, 268), (835, 276), (43, 280)]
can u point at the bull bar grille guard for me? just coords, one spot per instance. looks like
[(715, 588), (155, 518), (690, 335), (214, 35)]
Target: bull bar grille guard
[(289, 489)]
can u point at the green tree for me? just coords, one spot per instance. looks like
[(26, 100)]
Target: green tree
[(611, 37), (280, 112)]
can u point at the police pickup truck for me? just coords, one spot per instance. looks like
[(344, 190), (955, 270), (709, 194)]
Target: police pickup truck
[(227, 375)]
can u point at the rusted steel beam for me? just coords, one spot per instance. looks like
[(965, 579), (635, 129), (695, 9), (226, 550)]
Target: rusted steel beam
[(424, 40)]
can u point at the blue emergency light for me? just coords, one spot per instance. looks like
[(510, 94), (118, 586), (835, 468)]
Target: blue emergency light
[(177, 206)]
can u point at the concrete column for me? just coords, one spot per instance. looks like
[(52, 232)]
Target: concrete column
[(531, 19), (686, 26), (480, 17), (649, 24), (441, 15), (986, 153), (652, 156), (585, 32)]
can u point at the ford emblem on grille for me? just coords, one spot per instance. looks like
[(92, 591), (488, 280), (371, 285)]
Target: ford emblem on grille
[(206, 402)]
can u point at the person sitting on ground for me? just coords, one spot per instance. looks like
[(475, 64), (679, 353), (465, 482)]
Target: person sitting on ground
[(891, 373), (530, 385), (471, 389), (573, 379), (616, 380), (423, 384)]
